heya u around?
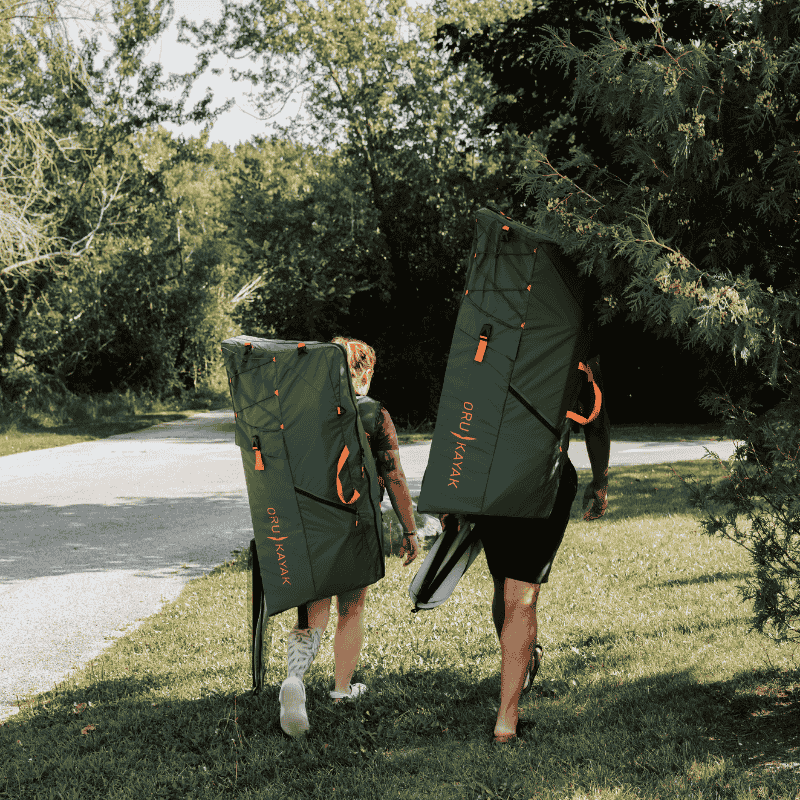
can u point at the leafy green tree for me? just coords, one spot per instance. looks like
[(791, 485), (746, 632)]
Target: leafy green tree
[(147, 308), (398, 118), (690, 223), (532, 99), (691, 219), (62, 176), (529, 93), (75, 183), (303, 229)]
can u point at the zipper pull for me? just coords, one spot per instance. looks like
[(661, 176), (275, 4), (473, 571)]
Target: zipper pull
[(257, 448)]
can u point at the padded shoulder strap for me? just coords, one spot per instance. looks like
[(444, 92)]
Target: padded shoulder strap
[(369, 410)]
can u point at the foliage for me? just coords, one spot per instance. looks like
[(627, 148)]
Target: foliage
[(689, 220), (135, 291), (61, 141), (147, 310), (532, 102), (758, 507), (529, 93), (302, 229), (398, 171)]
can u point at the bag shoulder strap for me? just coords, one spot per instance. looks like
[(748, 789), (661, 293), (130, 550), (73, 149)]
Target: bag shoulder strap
[(370, 411)]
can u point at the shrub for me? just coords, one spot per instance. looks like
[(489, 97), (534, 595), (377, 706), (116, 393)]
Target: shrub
[(758, 507)]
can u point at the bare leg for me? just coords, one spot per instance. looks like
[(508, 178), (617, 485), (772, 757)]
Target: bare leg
[(349, 637), (516, 644), (319, 613)]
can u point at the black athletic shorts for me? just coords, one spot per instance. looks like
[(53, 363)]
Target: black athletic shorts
[(524, 549)]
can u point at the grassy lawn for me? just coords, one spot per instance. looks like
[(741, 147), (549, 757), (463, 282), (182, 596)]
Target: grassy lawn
[(662, 432), (16, 439), (73, 419), (651, 687)]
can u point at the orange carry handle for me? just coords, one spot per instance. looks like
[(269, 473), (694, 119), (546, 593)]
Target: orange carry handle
[(342, 459), (598, 399)]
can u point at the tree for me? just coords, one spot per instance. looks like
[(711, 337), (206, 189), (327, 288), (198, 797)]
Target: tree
[(691, 223), (400, 118), (68, 167), (529, 94), (147, 308), (37, 158), (692, 218), (532, 98)]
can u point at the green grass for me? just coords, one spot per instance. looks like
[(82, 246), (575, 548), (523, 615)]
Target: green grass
[(662, 432), (16, 440), (69, 420), (651, 687)]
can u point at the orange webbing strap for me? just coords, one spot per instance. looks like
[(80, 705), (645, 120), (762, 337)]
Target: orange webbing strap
[(342, 459), (598, 399), (481, 348), (486, 332)]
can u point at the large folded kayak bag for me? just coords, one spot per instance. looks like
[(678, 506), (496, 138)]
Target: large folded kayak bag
[(311, 479), (513, 375)]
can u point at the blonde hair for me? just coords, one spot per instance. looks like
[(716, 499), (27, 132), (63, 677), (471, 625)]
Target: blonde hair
[(361, 360)]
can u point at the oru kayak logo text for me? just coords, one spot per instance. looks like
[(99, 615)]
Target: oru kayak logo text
[(276, 528), (461, 444)]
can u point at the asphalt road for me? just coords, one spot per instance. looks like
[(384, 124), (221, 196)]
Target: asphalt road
[(97, 536)]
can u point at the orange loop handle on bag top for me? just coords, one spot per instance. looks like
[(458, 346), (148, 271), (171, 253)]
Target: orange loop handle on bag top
[(598, 399), (342, 459)]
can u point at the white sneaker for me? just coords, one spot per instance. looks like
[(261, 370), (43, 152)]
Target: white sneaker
[(353, 690), (294, 719)]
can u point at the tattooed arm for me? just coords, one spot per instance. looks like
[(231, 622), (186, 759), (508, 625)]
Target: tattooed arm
[(391, 471)]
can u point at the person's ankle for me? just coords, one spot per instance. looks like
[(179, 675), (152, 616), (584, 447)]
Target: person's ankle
[(506, 724)]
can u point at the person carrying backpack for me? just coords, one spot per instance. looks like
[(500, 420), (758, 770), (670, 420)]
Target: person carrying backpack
[(303, 643), (520, 554)]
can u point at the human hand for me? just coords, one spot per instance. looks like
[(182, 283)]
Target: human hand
[(461, 520), (599, 500), (410, 547)]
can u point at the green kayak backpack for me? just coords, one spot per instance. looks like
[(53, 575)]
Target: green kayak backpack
[(311, 479), (514, 372)]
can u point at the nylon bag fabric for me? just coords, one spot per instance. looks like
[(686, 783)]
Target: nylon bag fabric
[(502, 431), (315, 504)]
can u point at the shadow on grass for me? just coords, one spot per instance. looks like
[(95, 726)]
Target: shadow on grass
[(650, 490), (662, 432), (713, 577), (415, 729)]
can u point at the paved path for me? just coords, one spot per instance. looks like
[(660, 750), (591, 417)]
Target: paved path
[(97, 536)]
